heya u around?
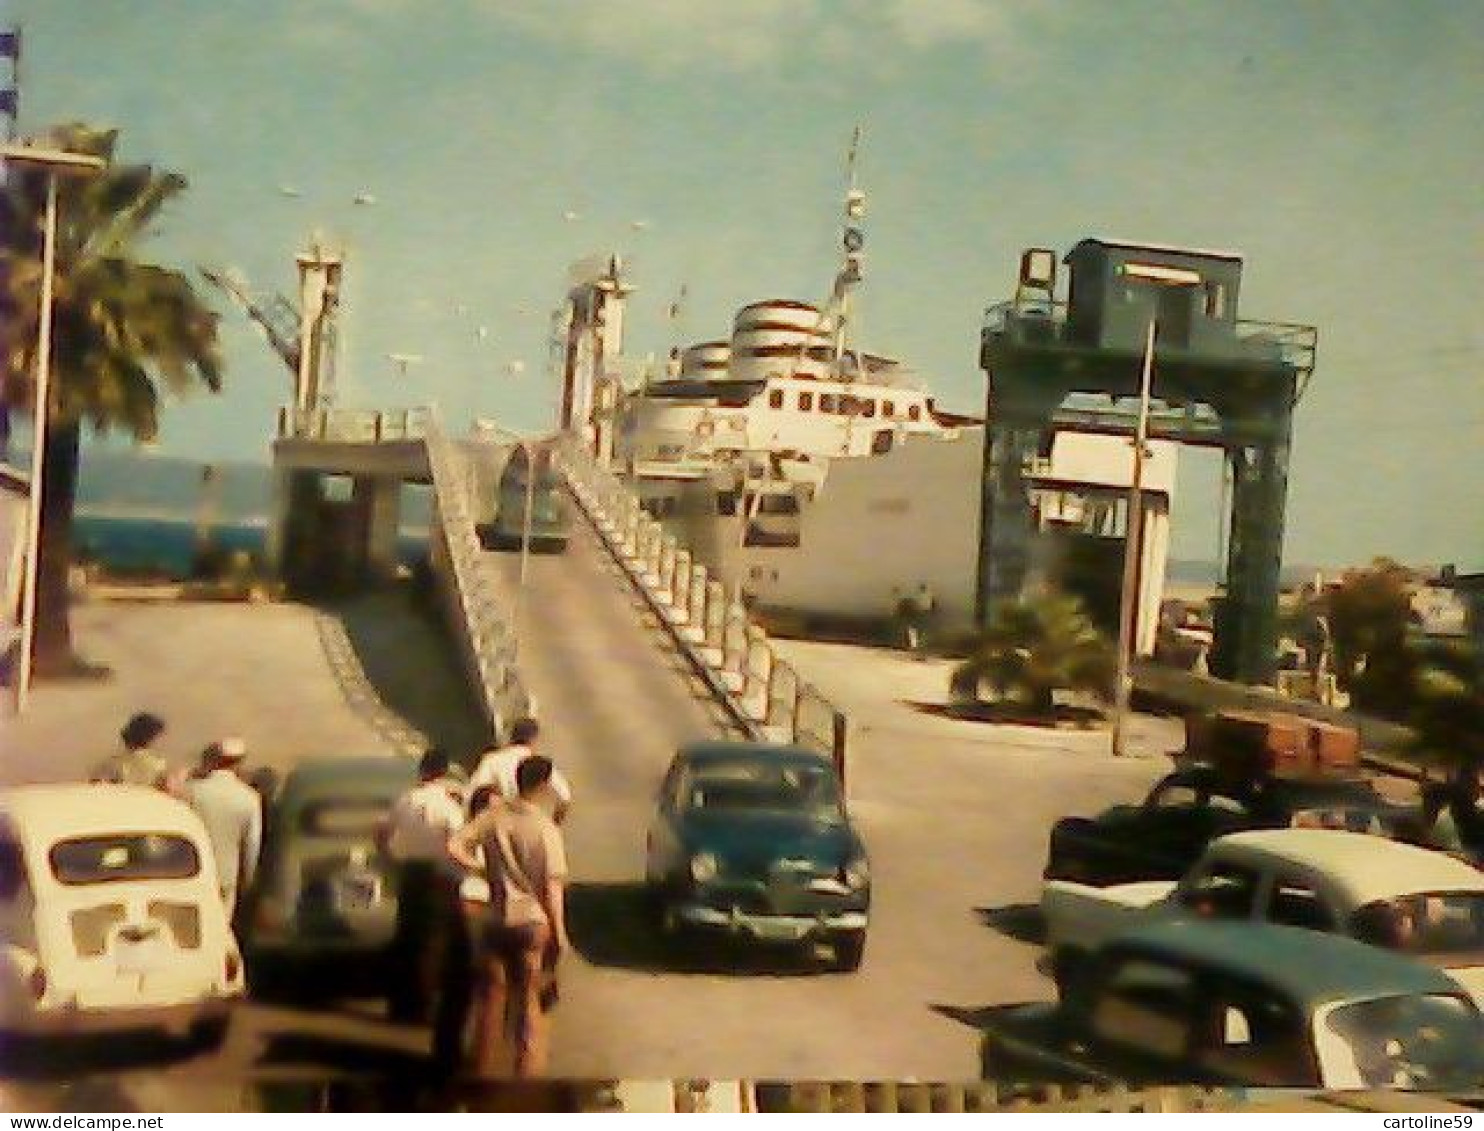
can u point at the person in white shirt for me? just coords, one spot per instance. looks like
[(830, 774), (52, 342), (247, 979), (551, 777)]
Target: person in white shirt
[(497, 768), (233, 816), (414, 836)]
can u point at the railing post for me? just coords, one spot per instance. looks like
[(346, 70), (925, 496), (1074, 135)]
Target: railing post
[(656, 548), (666, 566), (798, 709), (837, 746), (696, 602), (680, 585), (757, 673), (716, 596)]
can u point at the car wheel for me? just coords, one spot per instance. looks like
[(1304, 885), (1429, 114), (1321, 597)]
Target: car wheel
[(210, 1033), (653, 903), (850, 949), (270, 979)]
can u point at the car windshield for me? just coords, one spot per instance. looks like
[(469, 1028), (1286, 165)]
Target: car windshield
[(343, 817), (1423, 1041), (761, 786), (1434, 924), (124, 856)]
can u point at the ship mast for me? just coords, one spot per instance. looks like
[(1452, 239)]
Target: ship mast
[(852, 246)]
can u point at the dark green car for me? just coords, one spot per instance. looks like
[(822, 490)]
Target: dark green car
[(325, 896), (752, 841)]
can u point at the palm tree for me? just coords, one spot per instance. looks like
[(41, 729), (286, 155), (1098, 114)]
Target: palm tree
[(1447, 706), (124, 332), (1033, 648)]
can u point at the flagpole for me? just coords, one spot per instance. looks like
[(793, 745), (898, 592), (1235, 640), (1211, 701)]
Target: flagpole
[(1133, 554)]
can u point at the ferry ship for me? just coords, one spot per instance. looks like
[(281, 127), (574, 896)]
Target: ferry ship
[(824, 482)]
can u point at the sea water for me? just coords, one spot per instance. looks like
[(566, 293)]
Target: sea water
[(165, 547)]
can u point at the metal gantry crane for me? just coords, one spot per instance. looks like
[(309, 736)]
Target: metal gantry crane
[(305, 337)]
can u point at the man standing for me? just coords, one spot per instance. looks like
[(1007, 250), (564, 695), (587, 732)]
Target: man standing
[(233, 815), (415, 835), (136, 763), (525, 928), (498, 766)]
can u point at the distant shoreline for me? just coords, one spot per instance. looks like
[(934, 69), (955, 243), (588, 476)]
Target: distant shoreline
[(147, 514), (176, 518)]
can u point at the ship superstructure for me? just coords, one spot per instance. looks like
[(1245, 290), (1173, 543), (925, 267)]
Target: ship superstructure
[(822, 480)]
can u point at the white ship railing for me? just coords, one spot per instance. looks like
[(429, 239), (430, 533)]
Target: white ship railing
[(353, 426), (769, 700), (481, 625)]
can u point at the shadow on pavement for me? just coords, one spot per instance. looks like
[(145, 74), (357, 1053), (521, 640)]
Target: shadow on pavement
[(974, 1016), (613, 925), (40, 1060), (343, 1054), (1019, 921), (411, 665), (1064, 716)]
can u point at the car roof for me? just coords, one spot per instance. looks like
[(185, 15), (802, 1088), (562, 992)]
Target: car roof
[(1229, 785), (44, 812), (716, 750), (1363, 867), (356, 774), (1310, 967)]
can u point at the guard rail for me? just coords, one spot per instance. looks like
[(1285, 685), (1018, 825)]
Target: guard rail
[(766, 697), (472, 604)]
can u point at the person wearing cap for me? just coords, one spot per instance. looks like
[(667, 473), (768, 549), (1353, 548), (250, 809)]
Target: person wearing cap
[(233, 815), (136, 763)]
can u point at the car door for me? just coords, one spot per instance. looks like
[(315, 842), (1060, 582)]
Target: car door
[(1139, 1020), (1294, 899), (1179, 820), (1252, 1034)]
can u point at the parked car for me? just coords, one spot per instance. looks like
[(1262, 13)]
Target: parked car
[(110, 917), (323, 890), (753, 841), (1379, 891), (1244, 1004), (1162, 837)]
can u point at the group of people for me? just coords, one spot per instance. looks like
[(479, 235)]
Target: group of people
[(481, 920), (481, 877), (229, 808)]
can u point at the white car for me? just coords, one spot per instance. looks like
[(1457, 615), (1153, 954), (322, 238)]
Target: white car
[(110, 918), (1409, 899)]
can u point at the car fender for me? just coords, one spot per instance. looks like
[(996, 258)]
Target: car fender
[(1085, 916)]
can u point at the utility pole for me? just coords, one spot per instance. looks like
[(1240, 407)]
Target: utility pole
[(1133, 554), (55, 164)]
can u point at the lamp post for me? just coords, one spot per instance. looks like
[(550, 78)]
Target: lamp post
[(528, 453), (1133, 555), (57, 163)]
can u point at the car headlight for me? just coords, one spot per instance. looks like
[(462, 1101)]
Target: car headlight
[(703, 867), (857, 873)]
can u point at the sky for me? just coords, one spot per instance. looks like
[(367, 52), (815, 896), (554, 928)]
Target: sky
[(1338, 144)]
